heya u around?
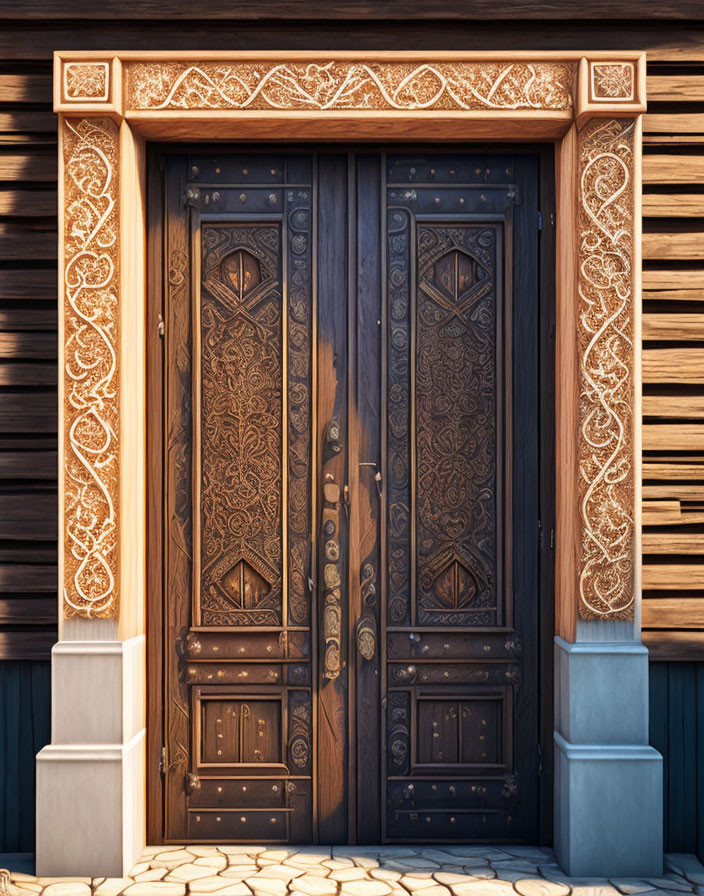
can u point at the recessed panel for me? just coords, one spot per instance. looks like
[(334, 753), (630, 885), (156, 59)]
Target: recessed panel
[(237, 732)]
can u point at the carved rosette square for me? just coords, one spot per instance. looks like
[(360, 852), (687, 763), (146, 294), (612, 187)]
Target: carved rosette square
[(90, 372), (612, 81), (86, 82), (606, 359)]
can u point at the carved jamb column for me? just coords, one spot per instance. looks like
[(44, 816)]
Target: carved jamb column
[(607, 310), (608, 315), (87, 94)]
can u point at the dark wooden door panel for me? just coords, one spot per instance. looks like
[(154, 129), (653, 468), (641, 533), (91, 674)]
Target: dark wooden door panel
[(239, 323), (462, 526), (350, 497)]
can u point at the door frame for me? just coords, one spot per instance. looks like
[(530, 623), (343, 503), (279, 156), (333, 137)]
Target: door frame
[(155, 384), (589, 105)]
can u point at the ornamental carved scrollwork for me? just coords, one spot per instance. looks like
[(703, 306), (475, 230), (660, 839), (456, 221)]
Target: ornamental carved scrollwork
[(388, 85), (606, 357), (90, 367)]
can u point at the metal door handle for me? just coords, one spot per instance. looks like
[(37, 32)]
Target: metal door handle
[(332, 578)]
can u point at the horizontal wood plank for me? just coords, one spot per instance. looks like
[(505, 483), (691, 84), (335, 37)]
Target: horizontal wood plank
[(25, 519), (27, 645), (680, 406), (28, 318), (675, 491), (28, 121), (680, 246), (669, 513), (34, 578), (28, 203), (28, 413), (673, 577), (673, 205), (673, 123), (673, 365), (672, 471), (674, 646), (673, 543), (673, 168), (28, 283), (28, 465), (21, 88), (667, 279), (331, 10), (673, 437), (29, 611), (23, 374), (23, 246), (28, 345), (673, 88), (31, 166), (675, 612)]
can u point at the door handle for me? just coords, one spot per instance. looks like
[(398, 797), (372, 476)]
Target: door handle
[(332, 577)]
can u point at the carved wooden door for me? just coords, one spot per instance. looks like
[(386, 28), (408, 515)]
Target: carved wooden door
[(350, 497)]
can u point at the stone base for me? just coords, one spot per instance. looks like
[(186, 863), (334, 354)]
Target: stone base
[(90, 815), (91, 781), (608, 810), (608, 780)]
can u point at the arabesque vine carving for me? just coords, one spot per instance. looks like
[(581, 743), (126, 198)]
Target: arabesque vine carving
[(350, 85), (606, 463), (90, 368)]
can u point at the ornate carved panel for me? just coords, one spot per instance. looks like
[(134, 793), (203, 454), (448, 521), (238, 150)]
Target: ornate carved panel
[(606, 356), (90, 368), (337, 84), (456, 425), (241, 408)]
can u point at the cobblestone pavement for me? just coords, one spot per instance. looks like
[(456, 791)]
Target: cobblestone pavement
[(359, 871)]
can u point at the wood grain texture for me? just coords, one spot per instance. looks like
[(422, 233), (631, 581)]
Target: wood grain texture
[(673, 168), (673, 365), (673, 577), (61, 10)]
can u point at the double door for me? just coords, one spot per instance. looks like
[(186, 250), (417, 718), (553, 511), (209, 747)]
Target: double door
[(350, 497)]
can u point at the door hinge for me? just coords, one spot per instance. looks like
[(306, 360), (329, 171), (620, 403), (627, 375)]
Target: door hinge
[(162, 762), (540, 220), (540, 759), (160, 326)]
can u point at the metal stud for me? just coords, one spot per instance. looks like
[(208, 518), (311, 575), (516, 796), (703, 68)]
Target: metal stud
[(243, 197), (195, 171)]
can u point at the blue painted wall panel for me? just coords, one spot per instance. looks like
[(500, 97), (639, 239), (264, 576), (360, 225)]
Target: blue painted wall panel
[(25, 727)]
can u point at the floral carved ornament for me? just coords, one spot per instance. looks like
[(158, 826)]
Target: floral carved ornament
[(90, 374)]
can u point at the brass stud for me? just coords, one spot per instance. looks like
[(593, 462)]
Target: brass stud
[(244, 788), (218, 819), (197, 817), (275, 788), (273, 821), (216, 196), (219, 789), (217, 171), (243, 819), (461, 200), (243, 197), (245, 172), (272, 198), (195, 171), (452, 819), (437, 200)]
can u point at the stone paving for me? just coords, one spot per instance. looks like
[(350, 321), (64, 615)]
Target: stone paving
[(358, 871)]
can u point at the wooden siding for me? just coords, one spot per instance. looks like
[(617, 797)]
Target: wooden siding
[(28, 353), (673, 362), (673, 207)]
